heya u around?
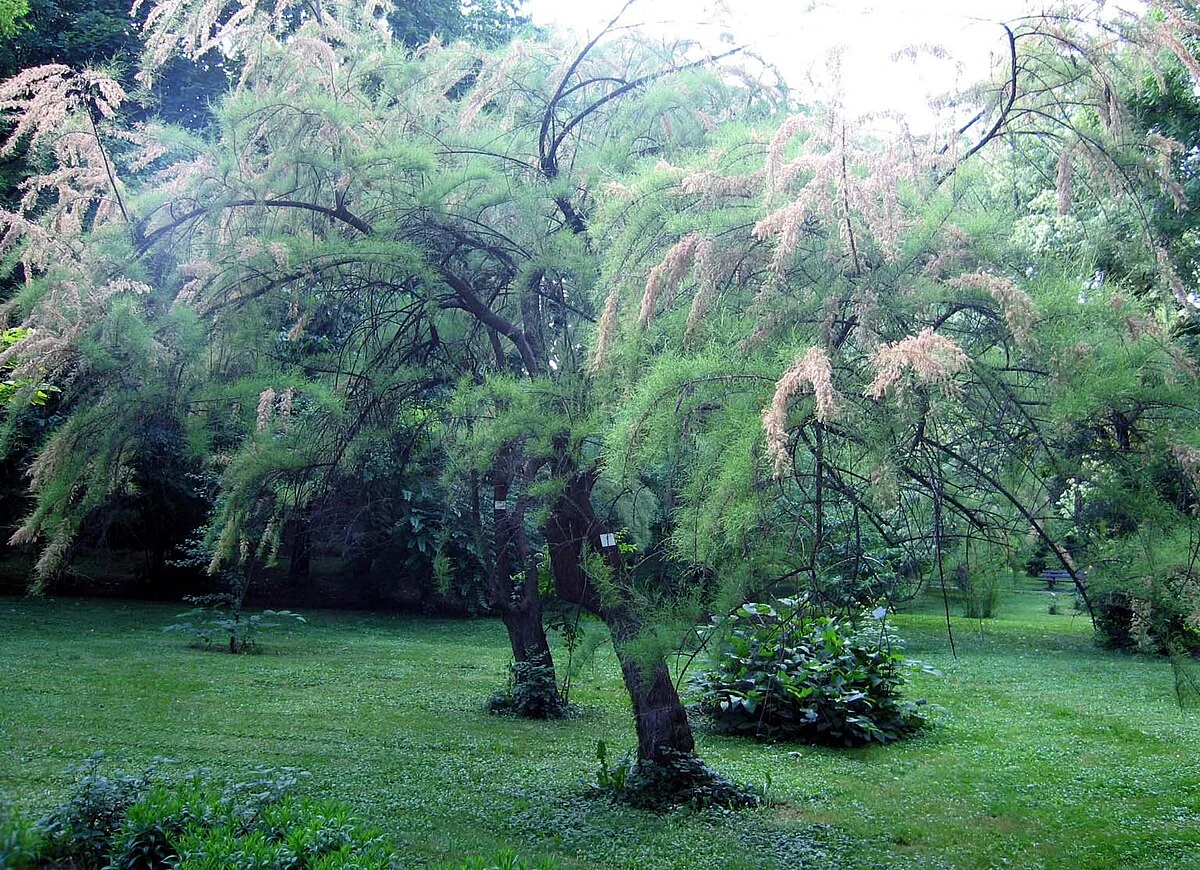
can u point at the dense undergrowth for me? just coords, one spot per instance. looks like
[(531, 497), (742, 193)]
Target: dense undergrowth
[(189, 821)]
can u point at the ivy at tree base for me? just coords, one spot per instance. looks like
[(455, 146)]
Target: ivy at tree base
[(531, 693), (670, 781)]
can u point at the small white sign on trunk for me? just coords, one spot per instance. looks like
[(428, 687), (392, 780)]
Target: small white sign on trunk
[(608, 540)]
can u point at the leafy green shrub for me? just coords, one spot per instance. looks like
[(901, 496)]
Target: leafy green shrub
[(1157, 614), (219, 619), (861, 569), (777, 673), (20, 841), (148, 822), (82, 829), (1145, 591), (292, 832), (151, 828)]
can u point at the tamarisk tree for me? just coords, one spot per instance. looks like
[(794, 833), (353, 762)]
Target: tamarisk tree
[(312, 237), (845, 353), (436, 206)]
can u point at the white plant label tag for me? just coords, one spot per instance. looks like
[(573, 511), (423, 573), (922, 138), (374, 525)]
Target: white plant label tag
[(608, 540)]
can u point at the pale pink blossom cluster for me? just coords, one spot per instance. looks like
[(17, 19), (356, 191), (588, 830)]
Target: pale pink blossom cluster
[(1165, 150), (1165, 34), (852, 190), (605, 332), (1188, 458), (874, 198), (266, 408), (705, 267), (249, 247), (182, 179), (617, 190), (52, 109), (280, 254), (666, 277), (491, 81), (786, 225), (1166, 268), (122, 285), (42, 99), (813, 370), (79, 187), (50, 352), (933, 358), (41, 248), (198, 272), (194, 27), (1019, 312), (273, 405), (297, 329), (286, 399), (916, 51), (710, 186), (953, 249), (1143, 327), (778, 172), (147, 139)]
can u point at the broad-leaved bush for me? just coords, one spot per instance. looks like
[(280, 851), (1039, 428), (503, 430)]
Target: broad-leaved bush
[(777, 672), (191, 822)]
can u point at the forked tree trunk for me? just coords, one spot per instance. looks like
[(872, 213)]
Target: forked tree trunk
[(658, 714)]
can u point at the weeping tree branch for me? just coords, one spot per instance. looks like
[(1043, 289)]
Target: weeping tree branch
[(551, 137), (338, 213), (474, 305)]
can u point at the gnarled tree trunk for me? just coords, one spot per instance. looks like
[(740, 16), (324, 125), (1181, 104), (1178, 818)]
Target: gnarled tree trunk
[(519, 605), (658, 714)]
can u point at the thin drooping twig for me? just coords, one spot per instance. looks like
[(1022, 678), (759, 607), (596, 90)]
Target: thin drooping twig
[(1002, 116), (112, 179)]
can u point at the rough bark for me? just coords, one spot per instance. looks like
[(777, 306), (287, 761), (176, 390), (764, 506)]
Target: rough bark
[(661, 721), (519, 604), (659, 716)]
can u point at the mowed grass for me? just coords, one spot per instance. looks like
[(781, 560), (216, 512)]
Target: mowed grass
[(1046, 753)]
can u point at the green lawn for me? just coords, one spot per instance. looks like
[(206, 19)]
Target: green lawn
[(1046, 752)]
